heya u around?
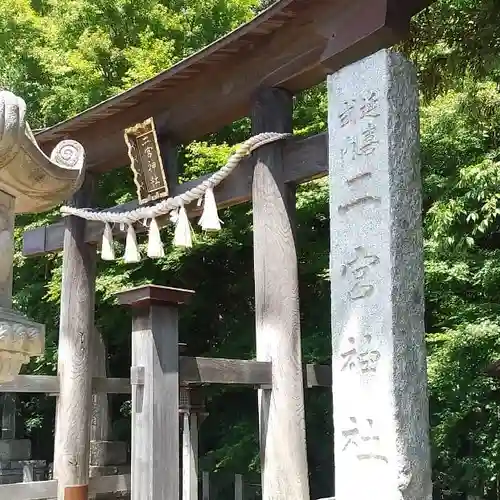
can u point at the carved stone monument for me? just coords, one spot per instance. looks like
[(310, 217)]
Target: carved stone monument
[(15, 454), (379, 361), (29, 182)]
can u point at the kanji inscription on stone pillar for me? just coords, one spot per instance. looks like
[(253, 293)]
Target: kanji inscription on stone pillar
[(376, 268)]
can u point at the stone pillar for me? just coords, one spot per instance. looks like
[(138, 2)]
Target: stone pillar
[(8, 408), (6, 248), (379, 361), (29, 182), (20, 338)]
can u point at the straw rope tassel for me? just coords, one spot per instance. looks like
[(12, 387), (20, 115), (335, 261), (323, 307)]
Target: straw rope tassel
[(107, 248), (155, 245), (182, 235), (209, 220), (131, 249)]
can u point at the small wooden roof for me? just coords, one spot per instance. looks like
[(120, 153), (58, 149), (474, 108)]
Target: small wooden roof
[(293, 44)]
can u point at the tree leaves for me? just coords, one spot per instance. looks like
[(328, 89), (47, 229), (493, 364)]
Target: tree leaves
[(64, 56)]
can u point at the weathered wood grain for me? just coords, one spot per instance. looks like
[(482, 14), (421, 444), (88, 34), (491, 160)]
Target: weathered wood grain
[(155, 395), (191, 371), (224, 371), (99, 424), (277, 317), (42, 384), (99, 430), (304, 159), (320, 37), (74, 407)]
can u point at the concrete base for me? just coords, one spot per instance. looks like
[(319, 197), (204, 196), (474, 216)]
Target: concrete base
[(15, 449), (103, 453), (109, 470)]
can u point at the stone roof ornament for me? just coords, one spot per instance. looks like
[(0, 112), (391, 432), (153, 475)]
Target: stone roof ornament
[(37, 182), (29, 182)]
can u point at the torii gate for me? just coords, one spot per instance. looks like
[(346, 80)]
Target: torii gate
[(254, 71)]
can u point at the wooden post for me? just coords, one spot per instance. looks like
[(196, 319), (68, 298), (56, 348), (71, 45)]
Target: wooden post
[(155, 394), (281, 410), (205, 487), (99, 430), (189, 456), (99, 426), (238, 487), (74, 409), (169, 154)]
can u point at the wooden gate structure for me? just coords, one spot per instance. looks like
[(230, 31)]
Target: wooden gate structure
[(255, 71)]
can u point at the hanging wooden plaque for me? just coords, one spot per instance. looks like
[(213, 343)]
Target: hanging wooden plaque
[(146, 162)]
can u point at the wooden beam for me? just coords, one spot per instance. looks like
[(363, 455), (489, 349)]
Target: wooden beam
[(322, 36), (224, 371), (192, 371), (111, 385), (281, 409), (41, 384), (38, 384), (304, 159), (74, 405), (317, 376)]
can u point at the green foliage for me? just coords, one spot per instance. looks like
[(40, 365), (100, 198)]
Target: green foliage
[(465, 408), (63, 56)]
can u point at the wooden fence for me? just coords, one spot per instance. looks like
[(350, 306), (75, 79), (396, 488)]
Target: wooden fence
[(193, 371)]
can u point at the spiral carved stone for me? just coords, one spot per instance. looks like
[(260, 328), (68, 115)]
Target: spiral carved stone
[(38, 183), (68, 154)]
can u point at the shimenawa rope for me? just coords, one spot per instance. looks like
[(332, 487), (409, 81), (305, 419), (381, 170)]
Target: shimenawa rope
[(208, 221)]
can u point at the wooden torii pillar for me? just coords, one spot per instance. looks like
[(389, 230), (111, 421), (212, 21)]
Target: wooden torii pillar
[(74, 405), (277, 316)]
